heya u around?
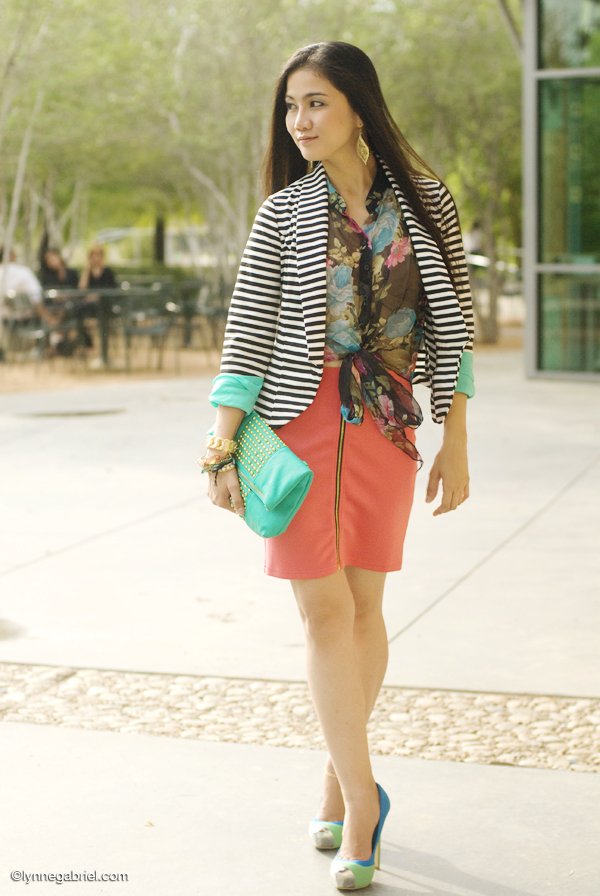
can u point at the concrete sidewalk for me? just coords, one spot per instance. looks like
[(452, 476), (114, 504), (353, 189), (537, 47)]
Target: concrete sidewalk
[(182, 818), (113, 558)]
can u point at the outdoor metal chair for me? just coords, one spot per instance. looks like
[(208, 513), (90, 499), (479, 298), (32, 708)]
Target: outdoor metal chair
[(146, 317), (25, 334), (206, 319)]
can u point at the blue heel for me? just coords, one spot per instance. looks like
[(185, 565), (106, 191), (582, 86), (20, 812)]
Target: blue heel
[(355, 874)]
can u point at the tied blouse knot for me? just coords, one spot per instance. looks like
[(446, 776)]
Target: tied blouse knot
[(375, 313)]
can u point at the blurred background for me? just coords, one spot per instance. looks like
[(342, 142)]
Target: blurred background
[(139, 127)]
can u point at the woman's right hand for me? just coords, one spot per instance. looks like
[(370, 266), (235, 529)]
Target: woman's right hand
[(224, 491)]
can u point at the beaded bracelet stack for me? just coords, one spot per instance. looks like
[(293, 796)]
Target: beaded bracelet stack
[(221, 462), (217, 465)]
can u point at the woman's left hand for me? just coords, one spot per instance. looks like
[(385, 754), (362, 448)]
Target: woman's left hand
[(451, 468)]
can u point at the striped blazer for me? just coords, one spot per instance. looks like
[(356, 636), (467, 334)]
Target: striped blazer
[(276, 322)]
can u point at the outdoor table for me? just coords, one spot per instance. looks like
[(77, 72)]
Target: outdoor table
[(138, 310), (104, 306), (74, 303)]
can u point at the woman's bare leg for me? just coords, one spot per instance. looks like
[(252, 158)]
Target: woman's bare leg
[(336, 659), (371, 651), (370, 635)]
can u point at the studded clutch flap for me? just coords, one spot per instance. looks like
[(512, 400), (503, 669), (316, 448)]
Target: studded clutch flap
[(273, 480)]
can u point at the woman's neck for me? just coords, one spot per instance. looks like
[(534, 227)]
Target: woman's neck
[(350, 177)]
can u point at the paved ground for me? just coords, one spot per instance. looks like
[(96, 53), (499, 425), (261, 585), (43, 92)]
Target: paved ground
[(143, 718)]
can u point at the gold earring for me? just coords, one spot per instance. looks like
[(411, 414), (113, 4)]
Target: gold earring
[(362, 149), (310, 166)]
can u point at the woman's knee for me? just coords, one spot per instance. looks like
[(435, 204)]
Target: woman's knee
[(326, 609), (368, 617), (367, 594)]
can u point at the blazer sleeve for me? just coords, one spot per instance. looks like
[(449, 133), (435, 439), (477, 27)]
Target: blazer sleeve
[(451, 233), (254, 309)]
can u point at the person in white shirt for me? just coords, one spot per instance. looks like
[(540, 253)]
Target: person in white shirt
[(18, 279)]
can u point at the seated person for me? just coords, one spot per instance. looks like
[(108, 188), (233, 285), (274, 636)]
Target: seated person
[(19, 280), (96, 275), (54, 273)]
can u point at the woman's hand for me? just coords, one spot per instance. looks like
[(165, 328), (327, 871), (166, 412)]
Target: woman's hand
[(450, 465), (224, 491), (224, 486), (451, 468)]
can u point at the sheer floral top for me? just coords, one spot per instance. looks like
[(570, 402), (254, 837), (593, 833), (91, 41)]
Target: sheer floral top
[(375, 310)]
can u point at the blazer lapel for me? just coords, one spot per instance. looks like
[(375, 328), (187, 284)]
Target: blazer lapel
[(434, 274), (312, 231)]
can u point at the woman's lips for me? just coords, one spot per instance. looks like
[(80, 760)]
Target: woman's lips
[(306, 139)]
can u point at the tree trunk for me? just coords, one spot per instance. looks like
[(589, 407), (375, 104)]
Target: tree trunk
[(14, 209), (159, 239), (494, 280), (30, 229)]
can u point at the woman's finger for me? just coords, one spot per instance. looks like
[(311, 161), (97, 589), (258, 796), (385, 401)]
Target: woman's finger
[(219, 492), (212, 487), (451, 498), (432, 484), (224, 491), (236, 501)]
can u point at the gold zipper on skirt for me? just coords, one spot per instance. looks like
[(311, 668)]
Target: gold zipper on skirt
[(338, 484)]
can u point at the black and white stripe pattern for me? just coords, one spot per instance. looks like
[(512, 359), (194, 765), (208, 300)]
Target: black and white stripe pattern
[(276, 322)]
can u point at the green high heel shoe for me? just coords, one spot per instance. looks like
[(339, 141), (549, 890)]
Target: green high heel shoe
[(355, 874), (325, 834)]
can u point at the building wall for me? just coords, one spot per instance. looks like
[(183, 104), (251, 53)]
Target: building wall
[(562, 186)]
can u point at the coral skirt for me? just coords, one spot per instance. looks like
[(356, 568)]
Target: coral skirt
[(357, 509)]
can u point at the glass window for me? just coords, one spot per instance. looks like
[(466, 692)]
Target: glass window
[(570, 322), (569, 171), (569, 33)]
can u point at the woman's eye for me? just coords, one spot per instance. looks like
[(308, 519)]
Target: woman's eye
[(289, 106)]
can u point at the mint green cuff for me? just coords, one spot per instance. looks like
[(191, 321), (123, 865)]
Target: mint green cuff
[(466, 382), (235, 391)]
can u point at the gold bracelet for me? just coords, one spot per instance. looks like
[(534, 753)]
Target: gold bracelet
[(220, 444)]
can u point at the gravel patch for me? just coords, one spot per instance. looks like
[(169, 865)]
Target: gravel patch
[(535, 731)]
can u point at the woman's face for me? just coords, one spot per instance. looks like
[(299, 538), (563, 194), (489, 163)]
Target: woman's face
[(319, 118), (53, 260), (96, 257)]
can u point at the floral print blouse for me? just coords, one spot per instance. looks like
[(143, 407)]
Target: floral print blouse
[(375, 311)]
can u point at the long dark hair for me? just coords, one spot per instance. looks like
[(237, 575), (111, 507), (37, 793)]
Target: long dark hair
[(351, 71)]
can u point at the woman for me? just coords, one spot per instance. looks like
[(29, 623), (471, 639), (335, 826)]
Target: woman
[(56, 276), (95, 275), (353, 286), (54, 273)]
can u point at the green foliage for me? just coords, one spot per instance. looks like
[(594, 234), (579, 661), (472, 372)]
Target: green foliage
[(161, 107)]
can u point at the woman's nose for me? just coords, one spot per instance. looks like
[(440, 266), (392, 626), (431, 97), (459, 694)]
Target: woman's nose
[(302, 122)]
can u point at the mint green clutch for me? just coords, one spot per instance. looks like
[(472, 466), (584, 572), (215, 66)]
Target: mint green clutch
[(273, 481)]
